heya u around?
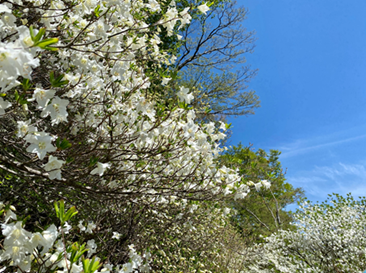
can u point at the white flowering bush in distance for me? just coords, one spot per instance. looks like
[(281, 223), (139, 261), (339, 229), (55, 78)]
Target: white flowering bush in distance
[(330, 237), (81, 120)]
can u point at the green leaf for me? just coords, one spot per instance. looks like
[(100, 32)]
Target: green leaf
[(97, 11), (63, 144), (25, 220), (70, 213), (90, 266), (39, 35), (31, 33), (76, 252), (16, 95), (93, 160), (60, 212), (56, 209), (44, 44), (26, 85), (20, 98)]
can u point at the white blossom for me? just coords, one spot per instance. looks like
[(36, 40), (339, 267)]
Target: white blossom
[(3, 106), (40, 144), (203, 8), (101, 168), (24, 127), (183, 95)]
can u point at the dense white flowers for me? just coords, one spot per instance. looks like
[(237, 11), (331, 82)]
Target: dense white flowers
[(91, 89), (330, 237), (15, 61), (79, 100), (26, 250), (57, 110)]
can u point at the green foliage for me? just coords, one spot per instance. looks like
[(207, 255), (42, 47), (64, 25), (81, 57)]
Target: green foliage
[(261, 212), (20, 98), (210, 58), (223, 93), (60, 212), (63, 144), (57, 82), (90, 265)]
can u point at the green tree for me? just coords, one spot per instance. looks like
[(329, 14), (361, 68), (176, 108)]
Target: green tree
[(211, 60), (261, 212)]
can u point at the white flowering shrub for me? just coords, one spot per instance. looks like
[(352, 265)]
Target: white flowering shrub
[(49, 250), (330, 237), (81, 120)]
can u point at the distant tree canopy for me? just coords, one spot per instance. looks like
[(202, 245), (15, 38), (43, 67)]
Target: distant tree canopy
[(261, 212), (211, 61)]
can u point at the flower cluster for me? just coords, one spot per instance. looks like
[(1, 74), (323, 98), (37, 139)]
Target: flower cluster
[(81, 119), (100, 91), (47, 251), (330, 237)]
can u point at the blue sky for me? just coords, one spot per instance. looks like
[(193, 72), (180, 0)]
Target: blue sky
[(311, 57)]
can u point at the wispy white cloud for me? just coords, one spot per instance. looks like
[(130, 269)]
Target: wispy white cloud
[(303, 146), (339, 178), (327, 163), (340, 170)]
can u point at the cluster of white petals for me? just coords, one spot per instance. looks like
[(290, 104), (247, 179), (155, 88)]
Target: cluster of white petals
[(80, 115), (330, 237), (106, 100), (45, 251)]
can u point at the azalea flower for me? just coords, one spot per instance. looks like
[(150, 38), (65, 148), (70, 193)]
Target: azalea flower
[(24, 128), (203, 8), (53, 167), (66, 228), (43, 96), (92, 247), (116, 235), (186, 18), (3, 106), (258, 186), (183, 95), (49, 236), (222, 126), (100, 169), (81, 226), (165, 81), (55, 174), (57, 110), (53, 163), (4, 8), (153, 5), (91, 226), (266, 184), (40, 144)]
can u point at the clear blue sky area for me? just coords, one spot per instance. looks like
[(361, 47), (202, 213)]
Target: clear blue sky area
[(311, 57)]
